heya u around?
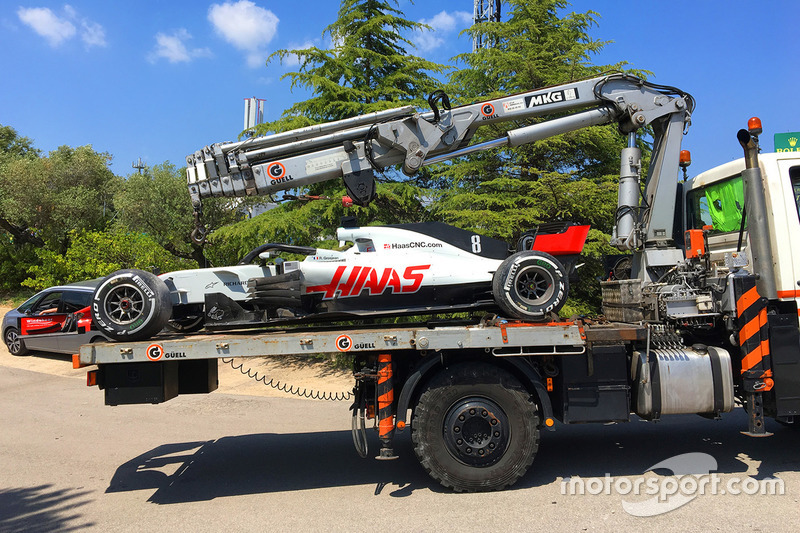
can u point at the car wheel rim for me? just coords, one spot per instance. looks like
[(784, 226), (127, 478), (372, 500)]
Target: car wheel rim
[(534, 285), (476, 431), (125, 304), (13, 342)]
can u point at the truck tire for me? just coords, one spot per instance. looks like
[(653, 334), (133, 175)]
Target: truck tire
[(131, 305), (475, 428), (530, 285)]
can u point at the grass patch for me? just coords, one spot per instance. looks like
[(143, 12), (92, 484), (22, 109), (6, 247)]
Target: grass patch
[(15, 298)]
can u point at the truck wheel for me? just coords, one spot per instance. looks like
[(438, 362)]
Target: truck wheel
[(131, 305), (475, 428), (16, 346), (529, 285)]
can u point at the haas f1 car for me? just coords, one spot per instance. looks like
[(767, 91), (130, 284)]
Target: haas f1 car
[(409, 269)]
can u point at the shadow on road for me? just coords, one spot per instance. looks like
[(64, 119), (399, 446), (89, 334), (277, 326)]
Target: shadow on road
[(264, 463), (630, 449), (42, 508)]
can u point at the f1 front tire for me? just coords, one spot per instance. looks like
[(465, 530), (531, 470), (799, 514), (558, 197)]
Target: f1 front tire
[(131, 305)]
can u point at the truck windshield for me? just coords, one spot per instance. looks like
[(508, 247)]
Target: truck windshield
[(719, 205)]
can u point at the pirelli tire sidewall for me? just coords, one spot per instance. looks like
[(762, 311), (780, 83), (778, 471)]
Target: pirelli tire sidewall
[(149, 297), (541, 267)]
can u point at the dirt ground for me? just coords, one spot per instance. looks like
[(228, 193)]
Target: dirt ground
[(301, 373)]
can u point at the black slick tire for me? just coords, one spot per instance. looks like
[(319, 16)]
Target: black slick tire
[(131, 305), (530, 285)]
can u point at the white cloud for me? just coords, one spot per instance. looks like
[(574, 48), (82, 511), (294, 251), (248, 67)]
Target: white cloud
[(446, 22), (44, 22), (172, 47), (58, 29), (92, 34), (246, 26), (441, 24)]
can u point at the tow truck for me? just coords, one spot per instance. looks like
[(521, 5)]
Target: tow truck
[(700, 315)]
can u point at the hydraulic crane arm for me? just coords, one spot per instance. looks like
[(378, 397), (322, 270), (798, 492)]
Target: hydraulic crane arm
[(352, 149)]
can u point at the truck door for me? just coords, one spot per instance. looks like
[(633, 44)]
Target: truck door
[(789, 284)]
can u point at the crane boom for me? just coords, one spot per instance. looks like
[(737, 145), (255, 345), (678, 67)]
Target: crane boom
[(352, 149)]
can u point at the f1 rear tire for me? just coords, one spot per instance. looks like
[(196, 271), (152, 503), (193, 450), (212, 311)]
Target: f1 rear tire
[(530, 285), (131, 305)]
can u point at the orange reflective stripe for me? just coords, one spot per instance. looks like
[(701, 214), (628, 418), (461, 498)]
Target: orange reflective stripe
[(755, 357), (746, 300), (387, 398), (750, 329)]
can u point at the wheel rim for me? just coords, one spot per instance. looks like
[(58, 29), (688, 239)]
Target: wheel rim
[(534, 285), (13, 341), (476, 431), (124, 304)]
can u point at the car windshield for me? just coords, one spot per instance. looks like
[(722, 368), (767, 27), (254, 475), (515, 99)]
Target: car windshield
[(29, 303)]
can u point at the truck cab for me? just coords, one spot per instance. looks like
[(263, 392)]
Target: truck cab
[(714, 200)]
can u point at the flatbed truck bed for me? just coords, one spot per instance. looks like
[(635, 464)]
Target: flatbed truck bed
[(500, 338)]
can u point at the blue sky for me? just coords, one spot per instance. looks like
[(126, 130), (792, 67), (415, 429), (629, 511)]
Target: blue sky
[(159, 80)]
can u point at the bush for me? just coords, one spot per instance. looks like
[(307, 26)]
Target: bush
[(14, 263), (94, 254)]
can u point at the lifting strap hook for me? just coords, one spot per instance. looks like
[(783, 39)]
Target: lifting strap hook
[(199, 233)]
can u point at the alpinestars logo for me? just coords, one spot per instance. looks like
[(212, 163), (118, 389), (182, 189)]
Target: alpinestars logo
[(367, 278)]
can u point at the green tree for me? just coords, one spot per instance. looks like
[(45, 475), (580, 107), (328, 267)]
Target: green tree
[(367, 69), (156, 203), (43, 198), (12, 146), (505, 191), (94, 254), (17, 252)]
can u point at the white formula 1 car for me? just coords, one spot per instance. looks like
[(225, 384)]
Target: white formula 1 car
[(422, 268)]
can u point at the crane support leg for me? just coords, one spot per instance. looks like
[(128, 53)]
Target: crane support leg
[(386, 406), (754, 346)]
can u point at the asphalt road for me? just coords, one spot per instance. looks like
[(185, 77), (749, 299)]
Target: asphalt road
[(224, 462)]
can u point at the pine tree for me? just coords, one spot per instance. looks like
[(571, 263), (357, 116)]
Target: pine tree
[(506, 191), (368, 68)]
